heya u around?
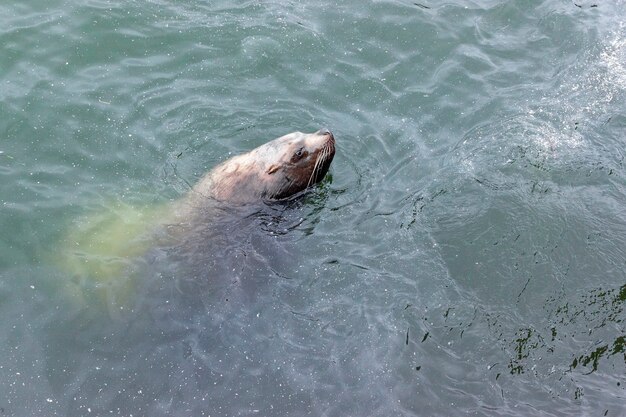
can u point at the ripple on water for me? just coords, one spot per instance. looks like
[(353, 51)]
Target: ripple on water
[(546, 189), (467, 256)]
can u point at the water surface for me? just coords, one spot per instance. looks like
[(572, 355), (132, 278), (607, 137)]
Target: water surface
[(465, 256)]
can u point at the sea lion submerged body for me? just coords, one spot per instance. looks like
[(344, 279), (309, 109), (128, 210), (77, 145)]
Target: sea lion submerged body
[(273, 171)]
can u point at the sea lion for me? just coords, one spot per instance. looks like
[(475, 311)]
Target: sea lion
[(103, 251), (273, 171)]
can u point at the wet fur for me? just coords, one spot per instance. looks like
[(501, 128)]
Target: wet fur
[(271, 171)]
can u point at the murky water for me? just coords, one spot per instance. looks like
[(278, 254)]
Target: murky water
[(465, 256)]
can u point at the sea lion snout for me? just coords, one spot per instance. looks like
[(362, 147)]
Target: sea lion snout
[(325, 132), (328, 140)]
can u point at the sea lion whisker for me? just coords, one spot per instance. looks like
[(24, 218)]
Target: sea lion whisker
[(319, 163), (315, 168)]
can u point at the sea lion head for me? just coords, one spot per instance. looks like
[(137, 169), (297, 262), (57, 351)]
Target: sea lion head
[(273, 171), (300, 160)]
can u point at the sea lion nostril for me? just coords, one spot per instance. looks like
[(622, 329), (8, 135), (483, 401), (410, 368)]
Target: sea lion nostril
[(324, 131)]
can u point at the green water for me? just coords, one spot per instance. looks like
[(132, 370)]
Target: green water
[(465, 256)]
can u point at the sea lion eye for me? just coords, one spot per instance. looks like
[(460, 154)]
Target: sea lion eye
[(298, 154)]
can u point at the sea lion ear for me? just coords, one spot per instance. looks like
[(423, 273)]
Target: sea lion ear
[(272, 169)]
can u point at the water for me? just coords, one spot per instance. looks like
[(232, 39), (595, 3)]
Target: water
[(466, 255)]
